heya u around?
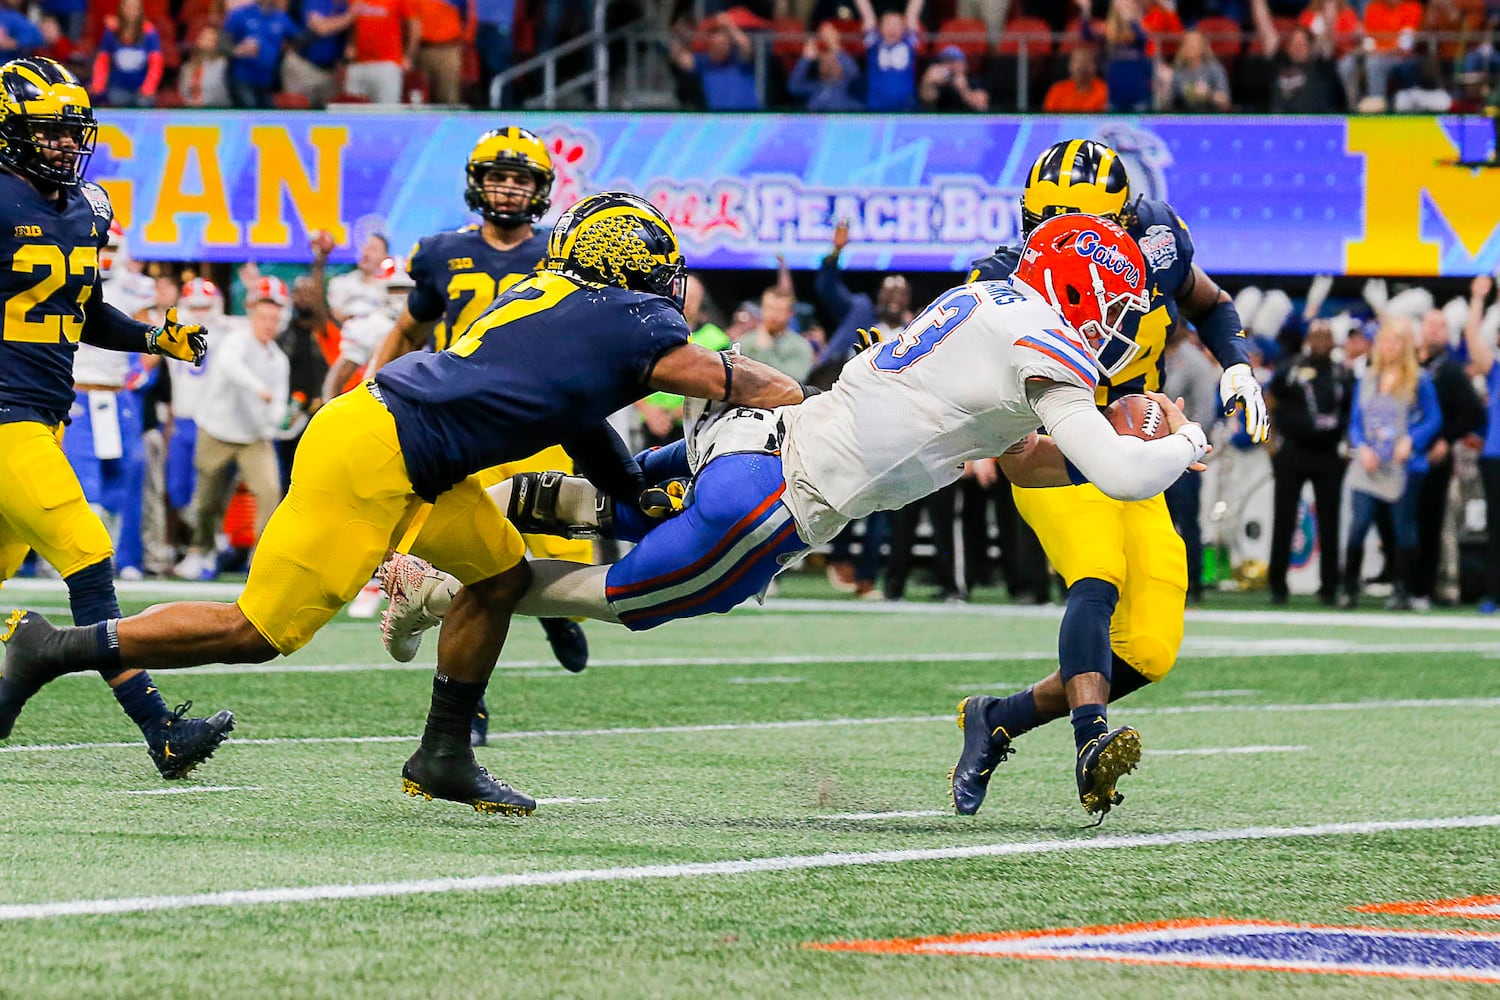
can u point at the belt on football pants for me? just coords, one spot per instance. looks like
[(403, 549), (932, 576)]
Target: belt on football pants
[(374, 388)]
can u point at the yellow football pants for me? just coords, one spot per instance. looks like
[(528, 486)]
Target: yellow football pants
[(552, 459), (42, 505), (1088, 535), (350, 501)]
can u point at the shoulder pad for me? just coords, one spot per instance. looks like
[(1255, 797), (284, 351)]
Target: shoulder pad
[(98, 200), (997, 266)]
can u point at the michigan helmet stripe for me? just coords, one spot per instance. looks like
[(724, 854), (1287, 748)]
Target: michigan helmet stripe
[(1067, 162), (1106, 164)]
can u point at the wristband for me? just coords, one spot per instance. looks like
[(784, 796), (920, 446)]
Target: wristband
[(727, 358)]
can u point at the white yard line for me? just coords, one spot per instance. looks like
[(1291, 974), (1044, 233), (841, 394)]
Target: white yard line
[(179, 590), (897, 814), (1223, 693), (237, 899), (570, 801), (1218, 751), (190, 790), (732, 727)]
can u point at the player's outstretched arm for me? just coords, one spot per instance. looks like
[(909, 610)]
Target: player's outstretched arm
[(1126, 468), (691, 370), (107, 327), (1212, 313), (409, 334)]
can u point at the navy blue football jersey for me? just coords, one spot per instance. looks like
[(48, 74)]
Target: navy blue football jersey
[(458, 275), (550, 360), (49, 265), (1168, 250)]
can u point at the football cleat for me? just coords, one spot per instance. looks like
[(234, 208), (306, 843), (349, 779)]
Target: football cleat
[(569, 644), (29, 663), (179, 744), (407, 581), (984, 750), (479, 726), (1103, 762), (460, 779)]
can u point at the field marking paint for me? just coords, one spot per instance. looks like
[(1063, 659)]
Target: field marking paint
[(178, 590), (190, 790), (1468, 908), (894, 814), (1224, 693), (1215, 649), (763, 680), (732, 727), (1217, 751), (570, 801), (744, 866)]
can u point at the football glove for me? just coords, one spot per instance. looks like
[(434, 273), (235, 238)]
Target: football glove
[(665, 501), (1238, 385), (868, 337), (183, 341)]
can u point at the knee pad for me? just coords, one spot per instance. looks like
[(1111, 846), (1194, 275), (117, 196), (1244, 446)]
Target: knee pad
[(1152, 656), (1083, 640)]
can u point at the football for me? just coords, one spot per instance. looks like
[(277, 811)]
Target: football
[(1139, 416)]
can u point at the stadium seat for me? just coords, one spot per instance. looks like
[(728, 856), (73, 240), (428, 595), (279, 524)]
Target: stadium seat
[(415, 81), (284, 100), (1073, 37), (787, 38), (470, 73), (851, 35), (969, 34), (171, 52), (1223, 34), (1032, 32)]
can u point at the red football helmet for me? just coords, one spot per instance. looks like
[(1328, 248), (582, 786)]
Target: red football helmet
[(1093, 273), (113, 249)]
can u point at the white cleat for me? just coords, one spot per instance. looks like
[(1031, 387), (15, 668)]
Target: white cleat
[(408, 582)]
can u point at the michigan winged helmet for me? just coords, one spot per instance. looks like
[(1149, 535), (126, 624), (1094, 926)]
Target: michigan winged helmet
[(47, 126), (514, 148), (618, 239), (1076, 175)]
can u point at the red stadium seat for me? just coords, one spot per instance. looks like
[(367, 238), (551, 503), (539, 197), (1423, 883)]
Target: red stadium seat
[(286, 101), (787, 38), (1073, 37), (1223, 34), (1032, 32), (852, 36), (967, 33)]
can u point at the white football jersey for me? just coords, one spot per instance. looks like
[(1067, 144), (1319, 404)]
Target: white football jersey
[(904, 416), (360, 336), (353, 294), (189, 380)]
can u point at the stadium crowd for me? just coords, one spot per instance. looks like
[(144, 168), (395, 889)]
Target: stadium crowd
[(844, 55)]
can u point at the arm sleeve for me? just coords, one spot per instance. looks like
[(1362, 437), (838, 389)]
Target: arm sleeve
[(1223, 334), (105, 326), (425, 300), (667, 462), (833, 295), (1430, 419), (1124, 467), (603, 459)]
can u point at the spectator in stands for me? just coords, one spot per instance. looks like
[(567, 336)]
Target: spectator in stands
[(891, 56), (18, 36), (1197, 79), (1394, 420), (837, 74), (1311, 395), (57, 45), (1128, 73), (774, 341), (309, 68), (946, 85), (1333, 23), (1083, 90), (365, 289), (1480, 337), (1390, 28), (242, 407), (128, 68), (71, 16), (447, 26), (1161, 18), (203, 79), (383, 48), (725, 71), (1303, 78), (258, 32), (1462, 415), (494, 37)]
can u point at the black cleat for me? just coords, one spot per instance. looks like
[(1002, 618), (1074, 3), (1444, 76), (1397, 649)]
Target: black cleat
[(984, 750), (479, 726), (1102, 763), (180, 744), (460, 779), (29, 663), (569, 644)]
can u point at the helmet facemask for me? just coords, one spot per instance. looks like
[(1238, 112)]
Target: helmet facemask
[(1104, 323)]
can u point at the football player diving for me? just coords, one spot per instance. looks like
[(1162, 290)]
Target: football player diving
[(394, 463), (1123, 562), (457, 276), (55, 225), (971, 376)]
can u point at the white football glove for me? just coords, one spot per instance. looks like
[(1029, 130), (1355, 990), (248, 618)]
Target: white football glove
[(1238, 385)]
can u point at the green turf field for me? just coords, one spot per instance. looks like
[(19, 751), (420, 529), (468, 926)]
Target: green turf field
[(1297, 765)]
